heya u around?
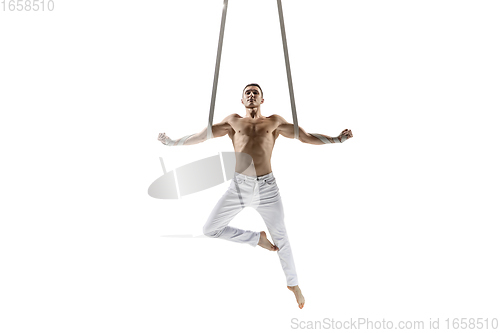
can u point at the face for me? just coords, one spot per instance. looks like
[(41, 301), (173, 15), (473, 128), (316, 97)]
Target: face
[(252, 97)]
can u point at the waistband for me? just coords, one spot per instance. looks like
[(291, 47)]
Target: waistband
[(254, 178)]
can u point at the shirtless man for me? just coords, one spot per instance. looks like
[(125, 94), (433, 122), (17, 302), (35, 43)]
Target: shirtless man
[(255, 135)]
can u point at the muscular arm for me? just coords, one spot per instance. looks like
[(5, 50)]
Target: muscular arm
[(287, 130), (218, 130)]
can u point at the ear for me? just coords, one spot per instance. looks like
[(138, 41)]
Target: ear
[(242, 101), (262, 101)]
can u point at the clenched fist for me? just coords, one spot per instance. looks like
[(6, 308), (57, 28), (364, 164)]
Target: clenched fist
[(164, 139), (347, 134), (343, 136)]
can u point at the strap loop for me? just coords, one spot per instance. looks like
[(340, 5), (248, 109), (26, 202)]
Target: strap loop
[(217, 68)]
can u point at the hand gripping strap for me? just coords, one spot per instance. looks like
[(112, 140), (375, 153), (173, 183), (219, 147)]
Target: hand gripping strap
[(343, 138)]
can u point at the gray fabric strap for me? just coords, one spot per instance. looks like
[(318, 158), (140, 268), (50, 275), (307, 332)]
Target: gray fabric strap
[(216, 75), (288, 72), (217, 67), (181, 141), (321, 137), (171, 142), (325, 140)]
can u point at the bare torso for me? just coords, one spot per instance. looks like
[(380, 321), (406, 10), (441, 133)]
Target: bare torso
[(256, 138)]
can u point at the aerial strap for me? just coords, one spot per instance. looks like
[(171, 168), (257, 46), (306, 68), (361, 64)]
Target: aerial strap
[(217, 67), (288, 72), (216, 75)]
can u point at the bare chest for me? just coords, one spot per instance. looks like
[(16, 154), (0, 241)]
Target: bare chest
[(254, 128)]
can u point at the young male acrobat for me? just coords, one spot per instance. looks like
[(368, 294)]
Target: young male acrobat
[(254, 136)]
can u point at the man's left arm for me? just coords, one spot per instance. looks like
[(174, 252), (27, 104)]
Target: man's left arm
[(287, 130)]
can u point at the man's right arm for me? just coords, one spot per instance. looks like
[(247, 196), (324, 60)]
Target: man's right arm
[(218, 130)]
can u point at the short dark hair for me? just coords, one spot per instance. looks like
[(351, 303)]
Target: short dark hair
[(253, 84)]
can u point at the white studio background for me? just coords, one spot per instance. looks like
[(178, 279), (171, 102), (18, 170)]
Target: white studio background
[(398, 223)]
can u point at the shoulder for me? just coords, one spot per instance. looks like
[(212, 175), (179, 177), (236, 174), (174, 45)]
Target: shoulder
[(281, 123), (279, 119), (232, 116), (229, 122)]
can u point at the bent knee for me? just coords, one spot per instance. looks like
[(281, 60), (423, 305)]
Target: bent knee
[(209, 231)]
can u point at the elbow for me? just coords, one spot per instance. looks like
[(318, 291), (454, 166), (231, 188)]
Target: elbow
[(304, 137)]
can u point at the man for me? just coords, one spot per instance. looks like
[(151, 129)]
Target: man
[(254, 135)]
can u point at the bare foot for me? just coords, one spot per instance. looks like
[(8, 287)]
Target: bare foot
[(298, 295), (265, 243)]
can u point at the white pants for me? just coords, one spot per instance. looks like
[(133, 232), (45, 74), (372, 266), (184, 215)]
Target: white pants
[(262, 194)]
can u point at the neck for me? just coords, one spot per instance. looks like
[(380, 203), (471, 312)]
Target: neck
[(253, 113)]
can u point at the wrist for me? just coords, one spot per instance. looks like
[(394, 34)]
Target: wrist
[(169, 142)]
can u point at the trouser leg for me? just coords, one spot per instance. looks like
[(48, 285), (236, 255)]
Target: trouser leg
[(271, 210), (229, 205)]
